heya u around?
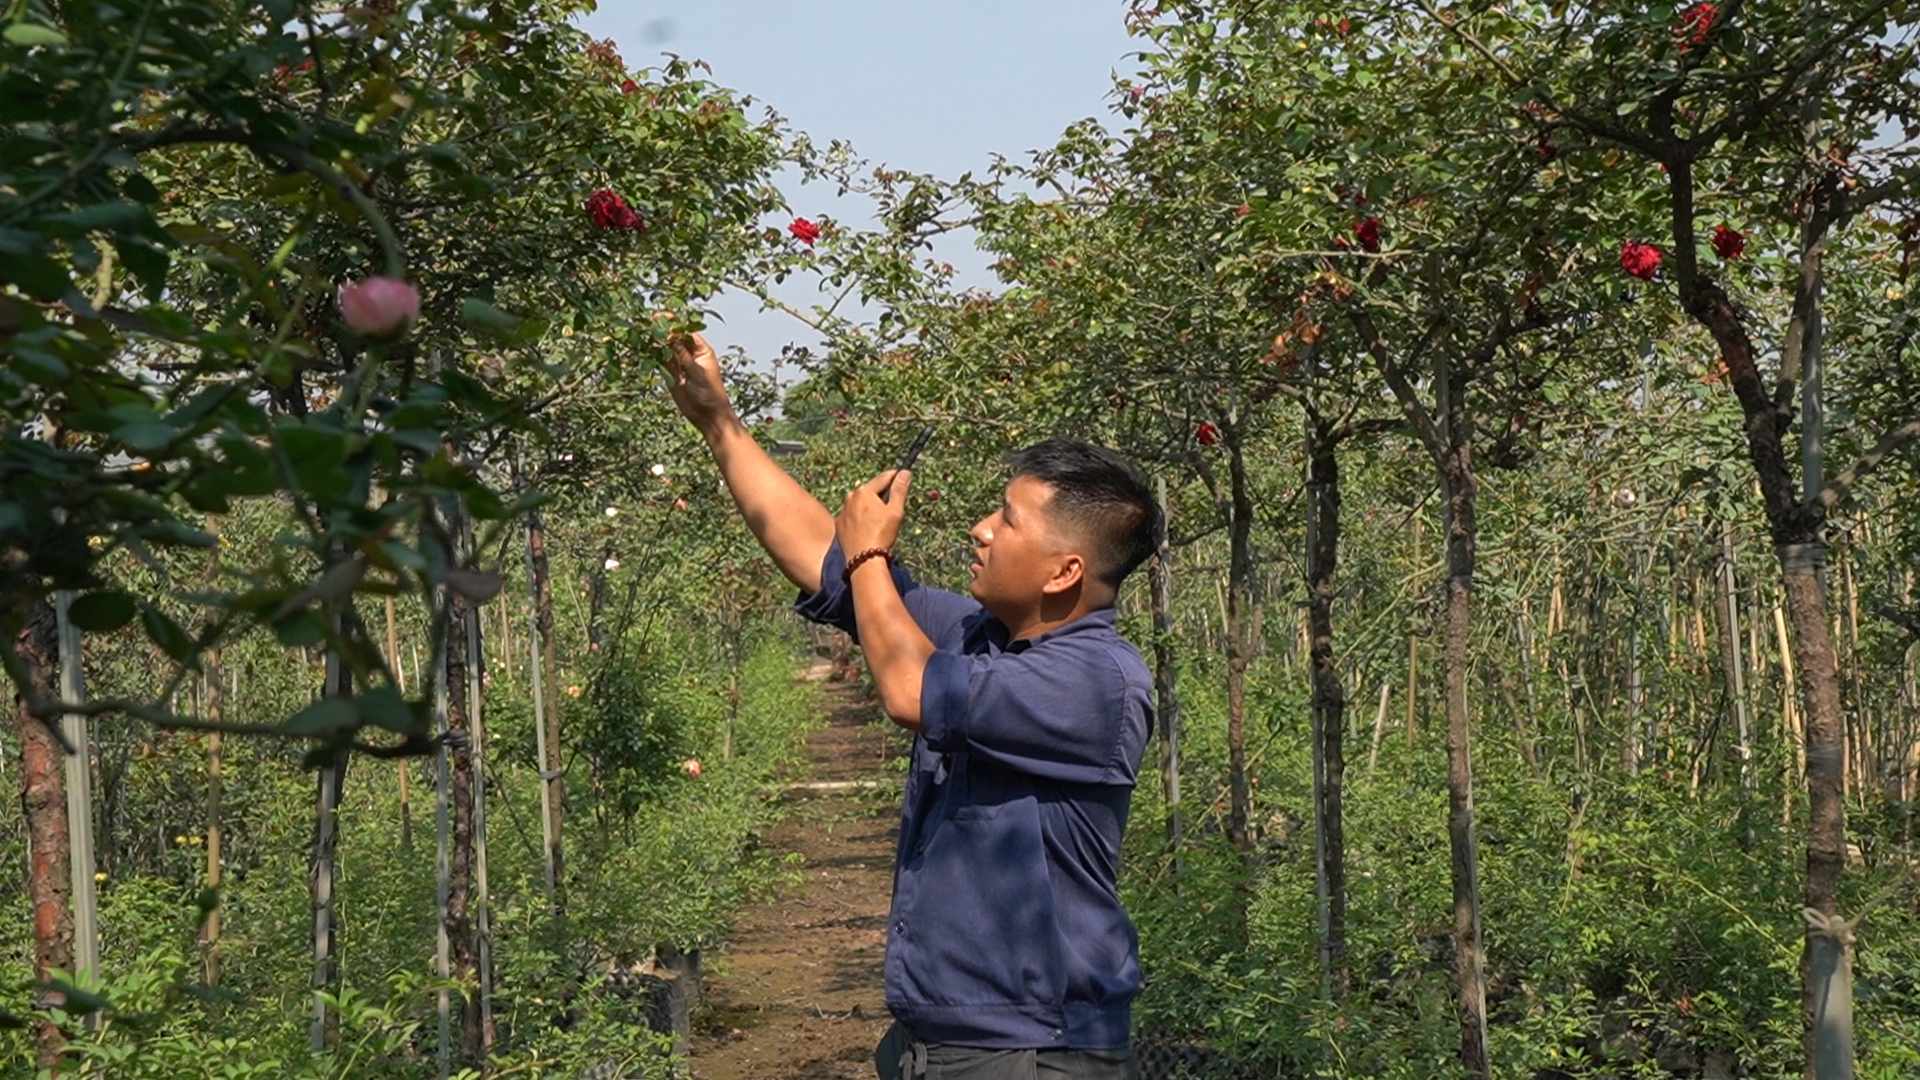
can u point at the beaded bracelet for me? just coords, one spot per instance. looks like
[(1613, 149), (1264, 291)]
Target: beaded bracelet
[(854, 562)]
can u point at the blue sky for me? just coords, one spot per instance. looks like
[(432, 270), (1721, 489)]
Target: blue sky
[(934, 86)]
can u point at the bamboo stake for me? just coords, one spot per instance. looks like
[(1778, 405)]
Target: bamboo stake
[(1790, 717), (79, 770), (1379, 728), (1731, 661)]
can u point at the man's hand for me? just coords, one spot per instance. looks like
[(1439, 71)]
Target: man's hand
[(696, 385), (865, 521)]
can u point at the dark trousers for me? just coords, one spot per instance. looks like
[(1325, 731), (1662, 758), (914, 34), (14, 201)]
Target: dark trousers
[(900, 1056)]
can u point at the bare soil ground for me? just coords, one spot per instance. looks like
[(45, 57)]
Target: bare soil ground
[(796, 990)]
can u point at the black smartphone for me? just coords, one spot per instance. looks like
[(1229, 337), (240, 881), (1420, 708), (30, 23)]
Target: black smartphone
[(907, 459)]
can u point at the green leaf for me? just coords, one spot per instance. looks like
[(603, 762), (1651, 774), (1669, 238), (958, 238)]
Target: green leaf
[(102, 612), (169, 636), (484, 316), (302, 628), (145, 436), (31, 34), (383, 707), (38, 276), (78, 1001), (328, 716)]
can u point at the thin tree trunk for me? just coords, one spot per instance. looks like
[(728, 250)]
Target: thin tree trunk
[(483, 913), (546, 713), (210, 929), (1160, 581), (463, 942), (1240, 631), (43, 800), (320, 870), (1329, 706), (405, 765), (1470, 967)]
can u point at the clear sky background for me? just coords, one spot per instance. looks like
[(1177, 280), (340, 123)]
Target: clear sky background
[(932, 86)]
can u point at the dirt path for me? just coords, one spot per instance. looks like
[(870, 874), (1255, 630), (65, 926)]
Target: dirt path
[(796, 991)]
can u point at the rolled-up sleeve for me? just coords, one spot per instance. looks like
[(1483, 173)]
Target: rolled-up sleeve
[(937, 612), (1073, 715)]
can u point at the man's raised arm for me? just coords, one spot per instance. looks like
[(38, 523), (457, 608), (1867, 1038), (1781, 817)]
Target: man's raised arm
[(790, 523)]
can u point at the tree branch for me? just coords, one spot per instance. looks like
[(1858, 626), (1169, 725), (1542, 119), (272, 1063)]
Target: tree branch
[(1840, 486)]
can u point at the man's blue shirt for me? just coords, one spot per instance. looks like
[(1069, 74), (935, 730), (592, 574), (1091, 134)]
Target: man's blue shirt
[(1006, 929)]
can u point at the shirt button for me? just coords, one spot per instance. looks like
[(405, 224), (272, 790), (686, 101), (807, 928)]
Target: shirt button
[(900, 927)]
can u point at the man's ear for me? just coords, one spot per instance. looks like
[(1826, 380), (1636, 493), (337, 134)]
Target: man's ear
[(1068, 573)]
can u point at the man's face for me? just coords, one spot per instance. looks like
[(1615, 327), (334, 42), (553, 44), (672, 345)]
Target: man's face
[(1018, 552)]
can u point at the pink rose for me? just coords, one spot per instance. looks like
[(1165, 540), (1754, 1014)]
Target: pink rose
[(691, 766), (379, 306)]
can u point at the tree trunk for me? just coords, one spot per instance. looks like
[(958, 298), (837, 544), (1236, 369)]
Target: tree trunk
[(404, 765), (1796, 531), (546, 712), (477, 752), (1826, 963), (1160, 580), (1329, 706), (320, 870), (43, 799), (463, 942), (210, 929), (1239, 644), (1470, 966)]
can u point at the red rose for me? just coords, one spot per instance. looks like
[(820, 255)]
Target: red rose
[(1546, 148), (1207, 434), (629, 87), (804, 231), (610, 211), (1640, 260), (1728, 243), (1368, 233), (1696, 23)]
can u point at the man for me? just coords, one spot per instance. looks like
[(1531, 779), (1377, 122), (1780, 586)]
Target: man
[(1008, 954)]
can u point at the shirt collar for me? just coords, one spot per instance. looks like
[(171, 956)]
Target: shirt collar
[(1097, 619)]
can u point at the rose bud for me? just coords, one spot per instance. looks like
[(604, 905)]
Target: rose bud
[(379, 307)]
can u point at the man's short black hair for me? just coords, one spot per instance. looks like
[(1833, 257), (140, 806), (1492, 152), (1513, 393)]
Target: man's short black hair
[(1100, 496)]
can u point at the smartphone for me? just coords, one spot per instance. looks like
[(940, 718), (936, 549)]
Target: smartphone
[(907, 459)]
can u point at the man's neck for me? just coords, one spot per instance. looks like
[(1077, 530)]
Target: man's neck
[(1046, 620)]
